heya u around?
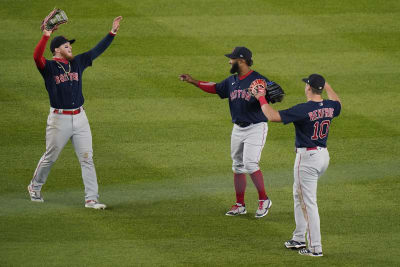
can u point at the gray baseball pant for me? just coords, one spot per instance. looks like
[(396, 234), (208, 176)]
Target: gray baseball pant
[(247, 144), (308, 168), (61, 128)]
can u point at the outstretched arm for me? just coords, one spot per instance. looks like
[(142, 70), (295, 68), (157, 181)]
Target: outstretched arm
[(105, 43), (40, 47), (208, 87), (269, 112)]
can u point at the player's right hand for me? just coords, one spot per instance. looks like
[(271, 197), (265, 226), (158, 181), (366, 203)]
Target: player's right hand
[(185, 78), (48, 33), (258, 93)]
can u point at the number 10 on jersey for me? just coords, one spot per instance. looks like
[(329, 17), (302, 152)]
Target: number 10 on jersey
[(321, 129)]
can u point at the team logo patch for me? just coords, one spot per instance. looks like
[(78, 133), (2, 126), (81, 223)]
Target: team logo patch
[(257, 85)]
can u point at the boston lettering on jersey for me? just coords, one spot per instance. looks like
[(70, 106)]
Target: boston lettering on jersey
[(63, 84), (243, 106), (243, 94), (311, 121), (72, 76)]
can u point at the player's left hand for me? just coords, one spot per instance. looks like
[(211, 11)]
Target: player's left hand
[(53, 20), (115, 26)]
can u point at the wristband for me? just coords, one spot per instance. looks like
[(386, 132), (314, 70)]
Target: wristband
[(262, 100)]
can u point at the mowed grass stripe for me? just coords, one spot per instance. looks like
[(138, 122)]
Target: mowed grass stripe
[(280, 24), (218, 228), (158, 80), (144, 193)]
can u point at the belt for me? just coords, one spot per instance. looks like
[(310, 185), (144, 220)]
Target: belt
[(298, 149), (243, 124), (68, 112)]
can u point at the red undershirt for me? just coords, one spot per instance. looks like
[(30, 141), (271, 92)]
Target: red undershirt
[(209, 87), (38, 53)]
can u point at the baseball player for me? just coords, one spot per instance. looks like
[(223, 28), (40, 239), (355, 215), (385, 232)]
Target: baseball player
[(67, 119), (312, 121), (249, 130)]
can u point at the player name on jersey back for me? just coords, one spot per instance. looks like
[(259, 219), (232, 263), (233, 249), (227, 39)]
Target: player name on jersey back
[(321, 113)]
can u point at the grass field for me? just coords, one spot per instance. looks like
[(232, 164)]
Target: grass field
[(162, 147)]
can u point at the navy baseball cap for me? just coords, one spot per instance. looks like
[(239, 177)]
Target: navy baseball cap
[(240, 52), (59, 40), (315, 81)]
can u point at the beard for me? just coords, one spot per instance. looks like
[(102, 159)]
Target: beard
[(234, 68), (67, 56)]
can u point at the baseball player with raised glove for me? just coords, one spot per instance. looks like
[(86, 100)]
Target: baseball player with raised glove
[(67, 120), (312, 121), (250, 125)]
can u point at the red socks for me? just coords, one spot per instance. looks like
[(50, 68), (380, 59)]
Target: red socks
[(258, 181), (240, 186)]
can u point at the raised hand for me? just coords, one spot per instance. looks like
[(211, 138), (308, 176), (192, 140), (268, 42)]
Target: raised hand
[(115, 26)]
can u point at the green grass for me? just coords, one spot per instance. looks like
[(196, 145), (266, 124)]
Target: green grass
[(162, 147)]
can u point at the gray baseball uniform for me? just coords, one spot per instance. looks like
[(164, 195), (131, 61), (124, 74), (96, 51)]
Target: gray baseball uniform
[(67, 119), (311, 121), (250, 126)]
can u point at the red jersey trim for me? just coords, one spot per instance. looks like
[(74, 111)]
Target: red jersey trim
[(245, 76), (62, 60)]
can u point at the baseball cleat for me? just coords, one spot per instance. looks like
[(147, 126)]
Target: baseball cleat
[(295, 244), (35, 195), (236, 209), (263, 208), (93, 204), (307, 252)]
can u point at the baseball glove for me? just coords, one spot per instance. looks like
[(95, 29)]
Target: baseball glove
[(256, 86), (274, 92), (55, 18)]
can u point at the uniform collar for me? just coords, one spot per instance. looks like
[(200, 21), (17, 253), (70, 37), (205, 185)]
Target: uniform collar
[(246, 75), (62, 60)]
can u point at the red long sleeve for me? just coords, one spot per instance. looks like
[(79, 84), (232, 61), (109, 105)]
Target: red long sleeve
[(39, 51), (208, 87)]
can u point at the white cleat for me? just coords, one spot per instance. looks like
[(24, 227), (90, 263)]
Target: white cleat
[(263, 208), (236, 209), (292, 244), (307, 252), (93, 204), (36, 196)]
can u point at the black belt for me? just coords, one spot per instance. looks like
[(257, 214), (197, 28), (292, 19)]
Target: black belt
[(243, 124)]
